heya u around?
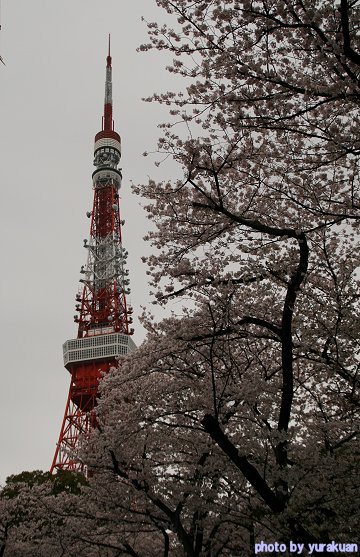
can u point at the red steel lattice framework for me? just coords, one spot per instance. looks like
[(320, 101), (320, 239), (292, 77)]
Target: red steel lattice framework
[(103, 314)]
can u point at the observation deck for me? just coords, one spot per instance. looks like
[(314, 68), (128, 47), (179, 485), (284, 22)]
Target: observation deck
[(98, 347)]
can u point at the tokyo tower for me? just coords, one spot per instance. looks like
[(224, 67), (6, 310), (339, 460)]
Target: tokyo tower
[(103, 314)]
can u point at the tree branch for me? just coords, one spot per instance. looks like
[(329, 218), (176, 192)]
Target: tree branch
[(348, 50), (212, 427)]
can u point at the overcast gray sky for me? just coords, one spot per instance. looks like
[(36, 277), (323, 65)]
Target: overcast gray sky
[(52, 91)]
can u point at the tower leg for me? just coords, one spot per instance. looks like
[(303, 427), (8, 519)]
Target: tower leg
[(79, 419)]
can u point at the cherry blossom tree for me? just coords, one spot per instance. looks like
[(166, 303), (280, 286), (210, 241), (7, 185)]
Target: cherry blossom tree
[(238, 419), (251, 396), (66, 516), (35, 508)]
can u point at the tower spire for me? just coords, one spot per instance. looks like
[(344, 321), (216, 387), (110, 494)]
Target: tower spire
[(108, 124), (104, 316)]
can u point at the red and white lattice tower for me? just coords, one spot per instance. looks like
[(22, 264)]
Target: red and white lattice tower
[(103, 314)]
